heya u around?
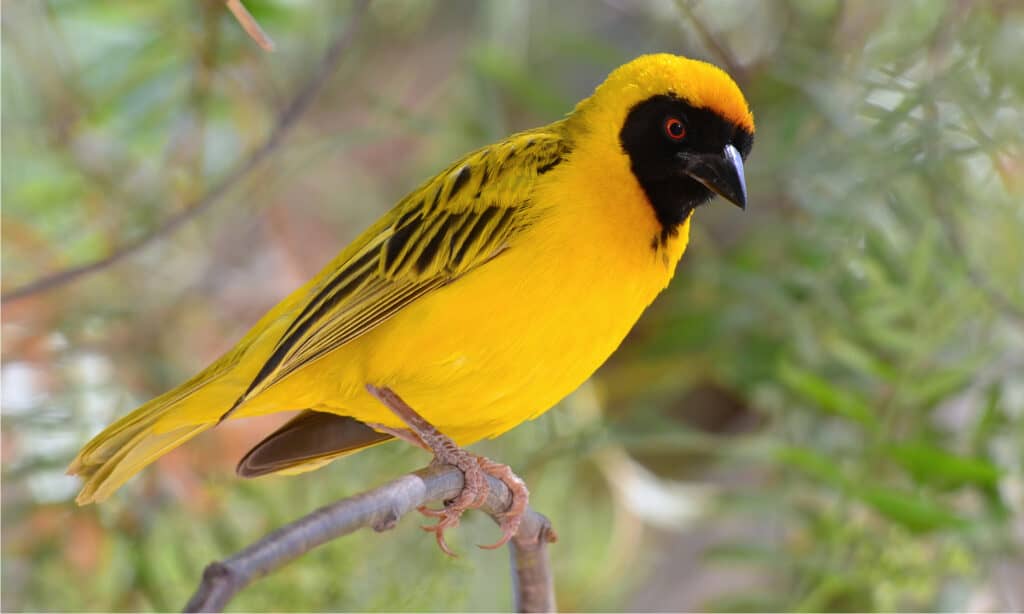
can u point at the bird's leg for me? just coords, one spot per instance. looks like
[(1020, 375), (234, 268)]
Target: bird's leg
[(404, 434), (474, 470)]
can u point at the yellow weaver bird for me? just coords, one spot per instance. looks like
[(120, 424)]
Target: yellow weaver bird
[(483, 297)]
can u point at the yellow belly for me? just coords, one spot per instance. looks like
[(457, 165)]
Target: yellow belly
[(502, 344)]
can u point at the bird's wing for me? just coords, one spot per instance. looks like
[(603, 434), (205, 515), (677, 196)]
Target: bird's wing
[(452, 224)]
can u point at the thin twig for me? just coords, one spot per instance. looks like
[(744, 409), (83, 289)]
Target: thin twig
[(285, 121), (381, 508), (249, 24), (728, 60)]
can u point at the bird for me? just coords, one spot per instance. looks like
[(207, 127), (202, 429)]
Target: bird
[(479, 301)]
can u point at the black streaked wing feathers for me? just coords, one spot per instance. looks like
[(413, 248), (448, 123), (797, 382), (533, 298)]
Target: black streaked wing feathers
[(440, 232)]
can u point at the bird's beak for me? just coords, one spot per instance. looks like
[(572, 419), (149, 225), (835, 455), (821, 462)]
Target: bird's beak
[(722, 174)]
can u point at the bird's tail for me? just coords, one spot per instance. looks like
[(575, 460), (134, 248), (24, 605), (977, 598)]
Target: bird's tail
[(127, 446)]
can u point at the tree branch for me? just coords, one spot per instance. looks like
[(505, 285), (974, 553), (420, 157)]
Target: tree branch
[(381, 508), (250, 25), (285, 121), (725, 56)]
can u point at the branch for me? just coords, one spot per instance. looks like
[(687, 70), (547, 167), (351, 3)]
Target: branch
[(725, 56), (381, 508), (249, 24), (285, 121)]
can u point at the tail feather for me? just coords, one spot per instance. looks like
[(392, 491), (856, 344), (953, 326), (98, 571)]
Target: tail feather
[(164, 423), (102, 479), (112, 439), (125, 447)]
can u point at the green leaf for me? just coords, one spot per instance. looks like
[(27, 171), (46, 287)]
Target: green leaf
[(518, 82), (859, 358), (826, 397), (931, 464), (914, 511), (940, 384), (813, 464), (733, 554)]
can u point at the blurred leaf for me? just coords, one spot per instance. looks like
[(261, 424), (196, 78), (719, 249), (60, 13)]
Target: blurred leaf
[(916, 512), (825, 396), (731, 554), (522, 84), (929, 464), (814, 464)]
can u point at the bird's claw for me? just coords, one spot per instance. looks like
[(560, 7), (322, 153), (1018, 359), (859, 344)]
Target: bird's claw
[(426, 511), (447, 521), (474, 495), (508, 521), (509, 526), (475, 470)]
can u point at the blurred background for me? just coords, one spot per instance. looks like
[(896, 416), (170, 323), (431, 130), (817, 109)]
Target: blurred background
[(825, 411)]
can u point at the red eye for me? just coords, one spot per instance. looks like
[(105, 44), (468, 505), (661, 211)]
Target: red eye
[(675, 129)]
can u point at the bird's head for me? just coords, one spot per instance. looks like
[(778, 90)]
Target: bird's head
[(682, 126)]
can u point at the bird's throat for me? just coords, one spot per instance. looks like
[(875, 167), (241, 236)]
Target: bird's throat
[(673, 205)]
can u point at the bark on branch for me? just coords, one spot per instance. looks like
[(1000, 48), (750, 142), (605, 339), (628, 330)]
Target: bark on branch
[(381, 508), (250, 25)]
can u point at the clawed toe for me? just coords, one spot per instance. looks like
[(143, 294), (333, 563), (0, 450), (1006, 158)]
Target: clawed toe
[(432, 513), (509, 526), (447, 521), (474, 495)]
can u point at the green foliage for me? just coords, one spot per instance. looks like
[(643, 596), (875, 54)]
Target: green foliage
[(823, 412)]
